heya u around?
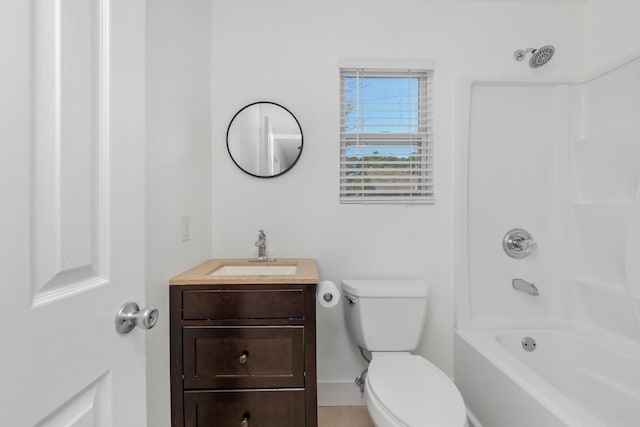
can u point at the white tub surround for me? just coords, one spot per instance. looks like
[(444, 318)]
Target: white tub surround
[(559, 159)]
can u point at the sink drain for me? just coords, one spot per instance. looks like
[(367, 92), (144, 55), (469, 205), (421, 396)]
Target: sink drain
[(528, 343)]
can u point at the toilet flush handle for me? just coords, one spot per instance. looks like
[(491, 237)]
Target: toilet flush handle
[(351, 300)]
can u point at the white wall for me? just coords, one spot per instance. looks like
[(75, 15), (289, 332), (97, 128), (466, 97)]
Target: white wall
[(178, 168), (611, 32), (285, 51)]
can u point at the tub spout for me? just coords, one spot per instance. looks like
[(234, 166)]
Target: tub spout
[(524, 286)]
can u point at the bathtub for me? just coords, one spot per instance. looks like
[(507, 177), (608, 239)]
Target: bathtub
[(570, 379)]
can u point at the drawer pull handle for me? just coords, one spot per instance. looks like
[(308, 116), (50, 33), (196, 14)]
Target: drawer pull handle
[(243, 360), (245, 420)]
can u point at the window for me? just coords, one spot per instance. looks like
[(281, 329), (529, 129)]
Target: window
[(385, 136)]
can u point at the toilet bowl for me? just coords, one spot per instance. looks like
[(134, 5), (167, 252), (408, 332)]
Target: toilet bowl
[(386, 317), (402, 389)]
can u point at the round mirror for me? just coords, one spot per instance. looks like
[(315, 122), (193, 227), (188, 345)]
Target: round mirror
[(264, 139)]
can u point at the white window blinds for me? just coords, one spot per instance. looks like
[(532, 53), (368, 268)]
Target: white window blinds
[(386, 136)]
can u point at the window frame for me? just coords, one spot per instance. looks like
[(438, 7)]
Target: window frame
[(380, 185)]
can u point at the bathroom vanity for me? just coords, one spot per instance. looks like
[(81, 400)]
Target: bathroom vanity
[(243, 344)]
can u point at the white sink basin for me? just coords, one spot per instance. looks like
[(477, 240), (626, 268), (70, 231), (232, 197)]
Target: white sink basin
[(256, 270)]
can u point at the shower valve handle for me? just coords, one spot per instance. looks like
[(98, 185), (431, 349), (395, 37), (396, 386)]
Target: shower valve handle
[(518, 243), (525, 244)]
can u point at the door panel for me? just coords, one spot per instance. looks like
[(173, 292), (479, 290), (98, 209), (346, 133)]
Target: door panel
[(90, 407), (69, 125), (72, 178)]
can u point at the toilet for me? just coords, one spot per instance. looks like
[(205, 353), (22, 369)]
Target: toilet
[(387, 317)]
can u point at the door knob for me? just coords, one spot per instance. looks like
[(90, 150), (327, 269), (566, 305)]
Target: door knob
[(130, 316)]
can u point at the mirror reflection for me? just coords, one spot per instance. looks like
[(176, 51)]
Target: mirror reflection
[(264, 139)]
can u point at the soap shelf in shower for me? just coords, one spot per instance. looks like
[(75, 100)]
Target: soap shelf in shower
[(618, 288)]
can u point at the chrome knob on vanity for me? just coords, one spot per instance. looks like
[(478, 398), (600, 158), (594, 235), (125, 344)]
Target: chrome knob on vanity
[(244, 357), (245, 420), (518, 243)]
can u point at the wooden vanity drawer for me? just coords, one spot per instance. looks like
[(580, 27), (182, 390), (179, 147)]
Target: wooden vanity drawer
[(229, 304), (273, 408), (243, 357)]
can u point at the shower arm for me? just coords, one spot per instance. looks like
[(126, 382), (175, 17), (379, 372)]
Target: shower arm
[(519, 54)]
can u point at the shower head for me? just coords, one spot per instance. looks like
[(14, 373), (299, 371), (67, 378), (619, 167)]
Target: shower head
[(539, 57)]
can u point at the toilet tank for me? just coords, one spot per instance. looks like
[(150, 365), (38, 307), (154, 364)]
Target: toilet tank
[(385, 315)]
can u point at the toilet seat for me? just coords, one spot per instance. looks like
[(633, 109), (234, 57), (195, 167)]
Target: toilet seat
[(413, 392)]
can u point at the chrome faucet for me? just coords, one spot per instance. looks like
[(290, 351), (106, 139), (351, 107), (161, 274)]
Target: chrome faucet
[(524, 286), (261, 243)]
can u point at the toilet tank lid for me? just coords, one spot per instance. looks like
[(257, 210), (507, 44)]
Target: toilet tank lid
[(391, 288)]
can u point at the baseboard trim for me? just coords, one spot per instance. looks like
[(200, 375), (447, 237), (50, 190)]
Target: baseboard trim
[(339, 394)]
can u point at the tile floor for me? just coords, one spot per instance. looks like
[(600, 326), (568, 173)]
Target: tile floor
[(344, 416)]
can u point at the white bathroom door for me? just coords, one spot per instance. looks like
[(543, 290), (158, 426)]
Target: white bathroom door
[(71, 212)]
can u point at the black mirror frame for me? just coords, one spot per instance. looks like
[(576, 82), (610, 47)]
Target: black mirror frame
[(299, 150)]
